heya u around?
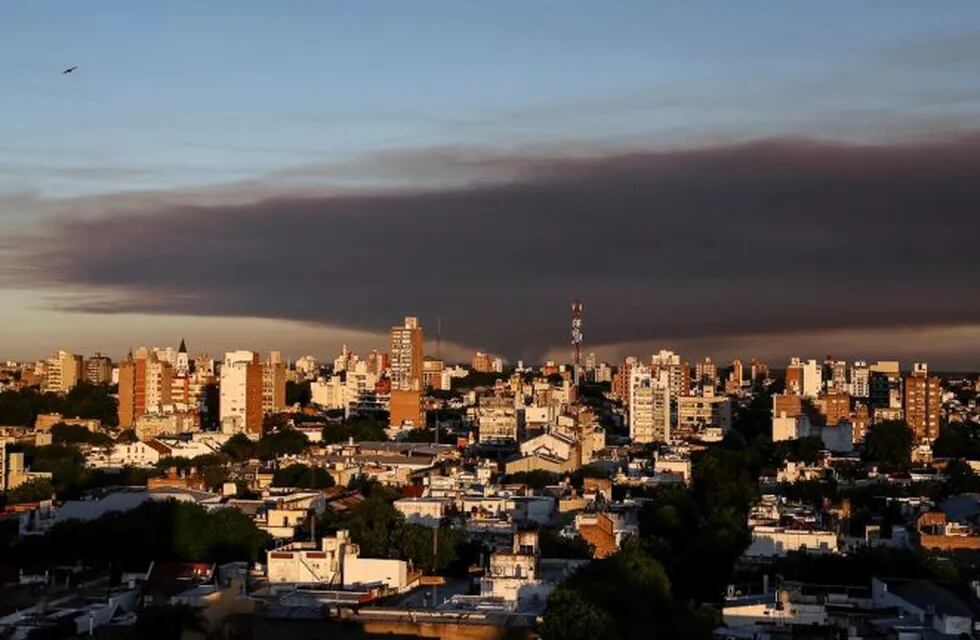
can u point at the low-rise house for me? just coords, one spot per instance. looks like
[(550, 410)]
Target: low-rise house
[(931, 605), (336, 561), (424, 511), (936, 532)]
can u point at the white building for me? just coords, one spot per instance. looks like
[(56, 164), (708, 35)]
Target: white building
[(425, 511), (786, 427), (774, 541), (236, 386), (860, 380), (650, 409), (336, 561), (812, 379), (695, 413)]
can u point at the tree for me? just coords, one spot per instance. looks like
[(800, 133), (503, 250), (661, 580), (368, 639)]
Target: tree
[(889, 444), (333, 433), (805, 450), (166, 530), (298, 393), (554, 545), (77, 434), (571, 616), (957, 441), (303, 477), (537, 479), (375, 525), (239, 448), (281, 443), (33, 490), (127, 436)]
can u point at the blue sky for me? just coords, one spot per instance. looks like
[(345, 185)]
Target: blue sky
[(180, 95)]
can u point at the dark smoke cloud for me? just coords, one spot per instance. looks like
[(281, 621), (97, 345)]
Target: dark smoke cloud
[(767, 237)]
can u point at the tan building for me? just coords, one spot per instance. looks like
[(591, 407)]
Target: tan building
[(432, 369), (145, 386), (836, 407), (787, 403), (98, 369), (274, 384), (62, 372), (406, 408), (152, 425), (240, 393), (695, 413), (407, 352), (922, 402), (482, 362), (498, 420), (44, 422)]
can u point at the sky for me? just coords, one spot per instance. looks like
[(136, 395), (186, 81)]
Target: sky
[(727, 179)]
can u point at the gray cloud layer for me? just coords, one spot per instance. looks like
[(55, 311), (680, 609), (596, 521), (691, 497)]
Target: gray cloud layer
[(774, 236)]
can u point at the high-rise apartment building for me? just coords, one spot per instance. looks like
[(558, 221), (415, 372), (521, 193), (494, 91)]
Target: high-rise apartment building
[(706, 373), (240, 394), (98, 369), (836, 407), (406, 355), (885, 385), (482, 362), (62, 372), (432, 369), (860, 379), (804, 378), (838, 376), (650, 410), (274, 384), (145, 386), (922, 402), (678, 373)]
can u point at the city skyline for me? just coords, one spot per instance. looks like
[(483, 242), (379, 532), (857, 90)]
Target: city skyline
[(729, 185)]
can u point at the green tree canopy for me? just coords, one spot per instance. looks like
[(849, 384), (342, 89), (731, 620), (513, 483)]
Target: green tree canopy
[(33, 490), (77, 434), (889, 444), (167, 530), (303, 477), (281, 443)]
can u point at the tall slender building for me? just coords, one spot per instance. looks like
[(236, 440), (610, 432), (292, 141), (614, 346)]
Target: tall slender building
[(274, 384), (145, 386), (407, 353), (63, 372), (922, 402), (240, 402), (98, 369)]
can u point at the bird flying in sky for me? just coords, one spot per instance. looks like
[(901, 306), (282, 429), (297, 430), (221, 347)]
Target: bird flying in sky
[(68, 70)]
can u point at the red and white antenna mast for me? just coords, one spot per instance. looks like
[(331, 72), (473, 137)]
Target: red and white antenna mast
[(576, 335)]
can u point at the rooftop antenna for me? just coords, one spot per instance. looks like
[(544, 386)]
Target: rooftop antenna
[(576, 337)]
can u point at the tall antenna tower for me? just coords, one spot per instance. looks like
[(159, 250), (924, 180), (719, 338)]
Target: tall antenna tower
[(576, 335)]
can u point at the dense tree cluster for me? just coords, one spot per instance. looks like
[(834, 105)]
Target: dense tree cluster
[(212, 467), (302, 476), (77, 434), (627, 595), (84, 401), (168, 530), (361, 429), (281, 443), (381, 532), (70, 476), (889, 444), (298, 393)]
